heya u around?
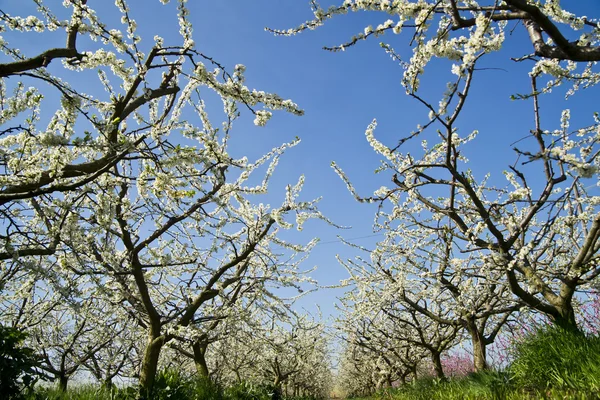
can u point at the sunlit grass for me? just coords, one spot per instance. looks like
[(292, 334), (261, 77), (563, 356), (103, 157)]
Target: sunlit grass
[(559, 359), (552, 364)]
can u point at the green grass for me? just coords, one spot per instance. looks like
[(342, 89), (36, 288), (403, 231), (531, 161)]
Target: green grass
[(487, 385), (80, 392), (169, 385), (553, 364), (481, 386), (555, 358)]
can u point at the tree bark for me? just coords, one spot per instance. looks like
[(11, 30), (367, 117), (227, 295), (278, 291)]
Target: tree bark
[(150, 364), (199, 348), (414, 372), (479, 346), (63, 381), (558, 308), (566, 316), (479, 354), (437, 364), (108, 384)]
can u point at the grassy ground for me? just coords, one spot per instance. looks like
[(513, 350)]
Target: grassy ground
[(169, 386), (483, 386), (91, 392), (552, 364)]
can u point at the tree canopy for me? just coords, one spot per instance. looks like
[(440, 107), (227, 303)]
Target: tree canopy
[(135, 238)]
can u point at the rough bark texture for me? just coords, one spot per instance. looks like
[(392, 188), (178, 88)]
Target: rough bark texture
[(200, 358), (479, 352), (150, 365), (479, 346)]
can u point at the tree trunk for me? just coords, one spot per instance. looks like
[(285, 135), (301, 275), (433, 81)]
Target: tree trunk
[(437, 364), (199, 348), (108, 384), (276, 393), (405, 375), (277, 388), (479, 346), (479, 355), (558, 308), (566, 317), (150, 364), (414, 372), (63, 380)]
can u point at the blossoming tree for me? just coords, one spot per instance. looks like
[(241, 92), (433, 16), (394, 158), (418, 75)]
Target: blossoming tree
[(541, 229), (89, 134), (286, 351), (422, 272), (134, 192)]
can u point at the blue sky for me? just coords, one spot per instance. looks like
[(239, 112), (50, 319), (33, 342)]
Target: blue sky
[(341, 93)]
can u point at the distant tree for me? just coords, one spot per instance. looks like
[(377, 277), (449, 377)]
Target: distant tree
[(65, 342), (285, 351), (358, 373), (65, 329), (368, 332), (420, 271)]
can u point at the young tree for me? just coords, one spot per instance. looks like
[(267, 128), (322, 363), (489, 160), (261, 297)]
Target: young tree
[(369, 332), (421, 270)]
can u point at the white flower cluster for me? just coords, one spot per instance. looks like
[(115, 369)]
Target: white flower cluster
[(185, 26), (262, 117), (235, 90)]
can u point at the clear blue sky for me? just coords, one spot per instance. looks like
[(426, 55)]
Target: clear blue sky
[(341, 93)]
